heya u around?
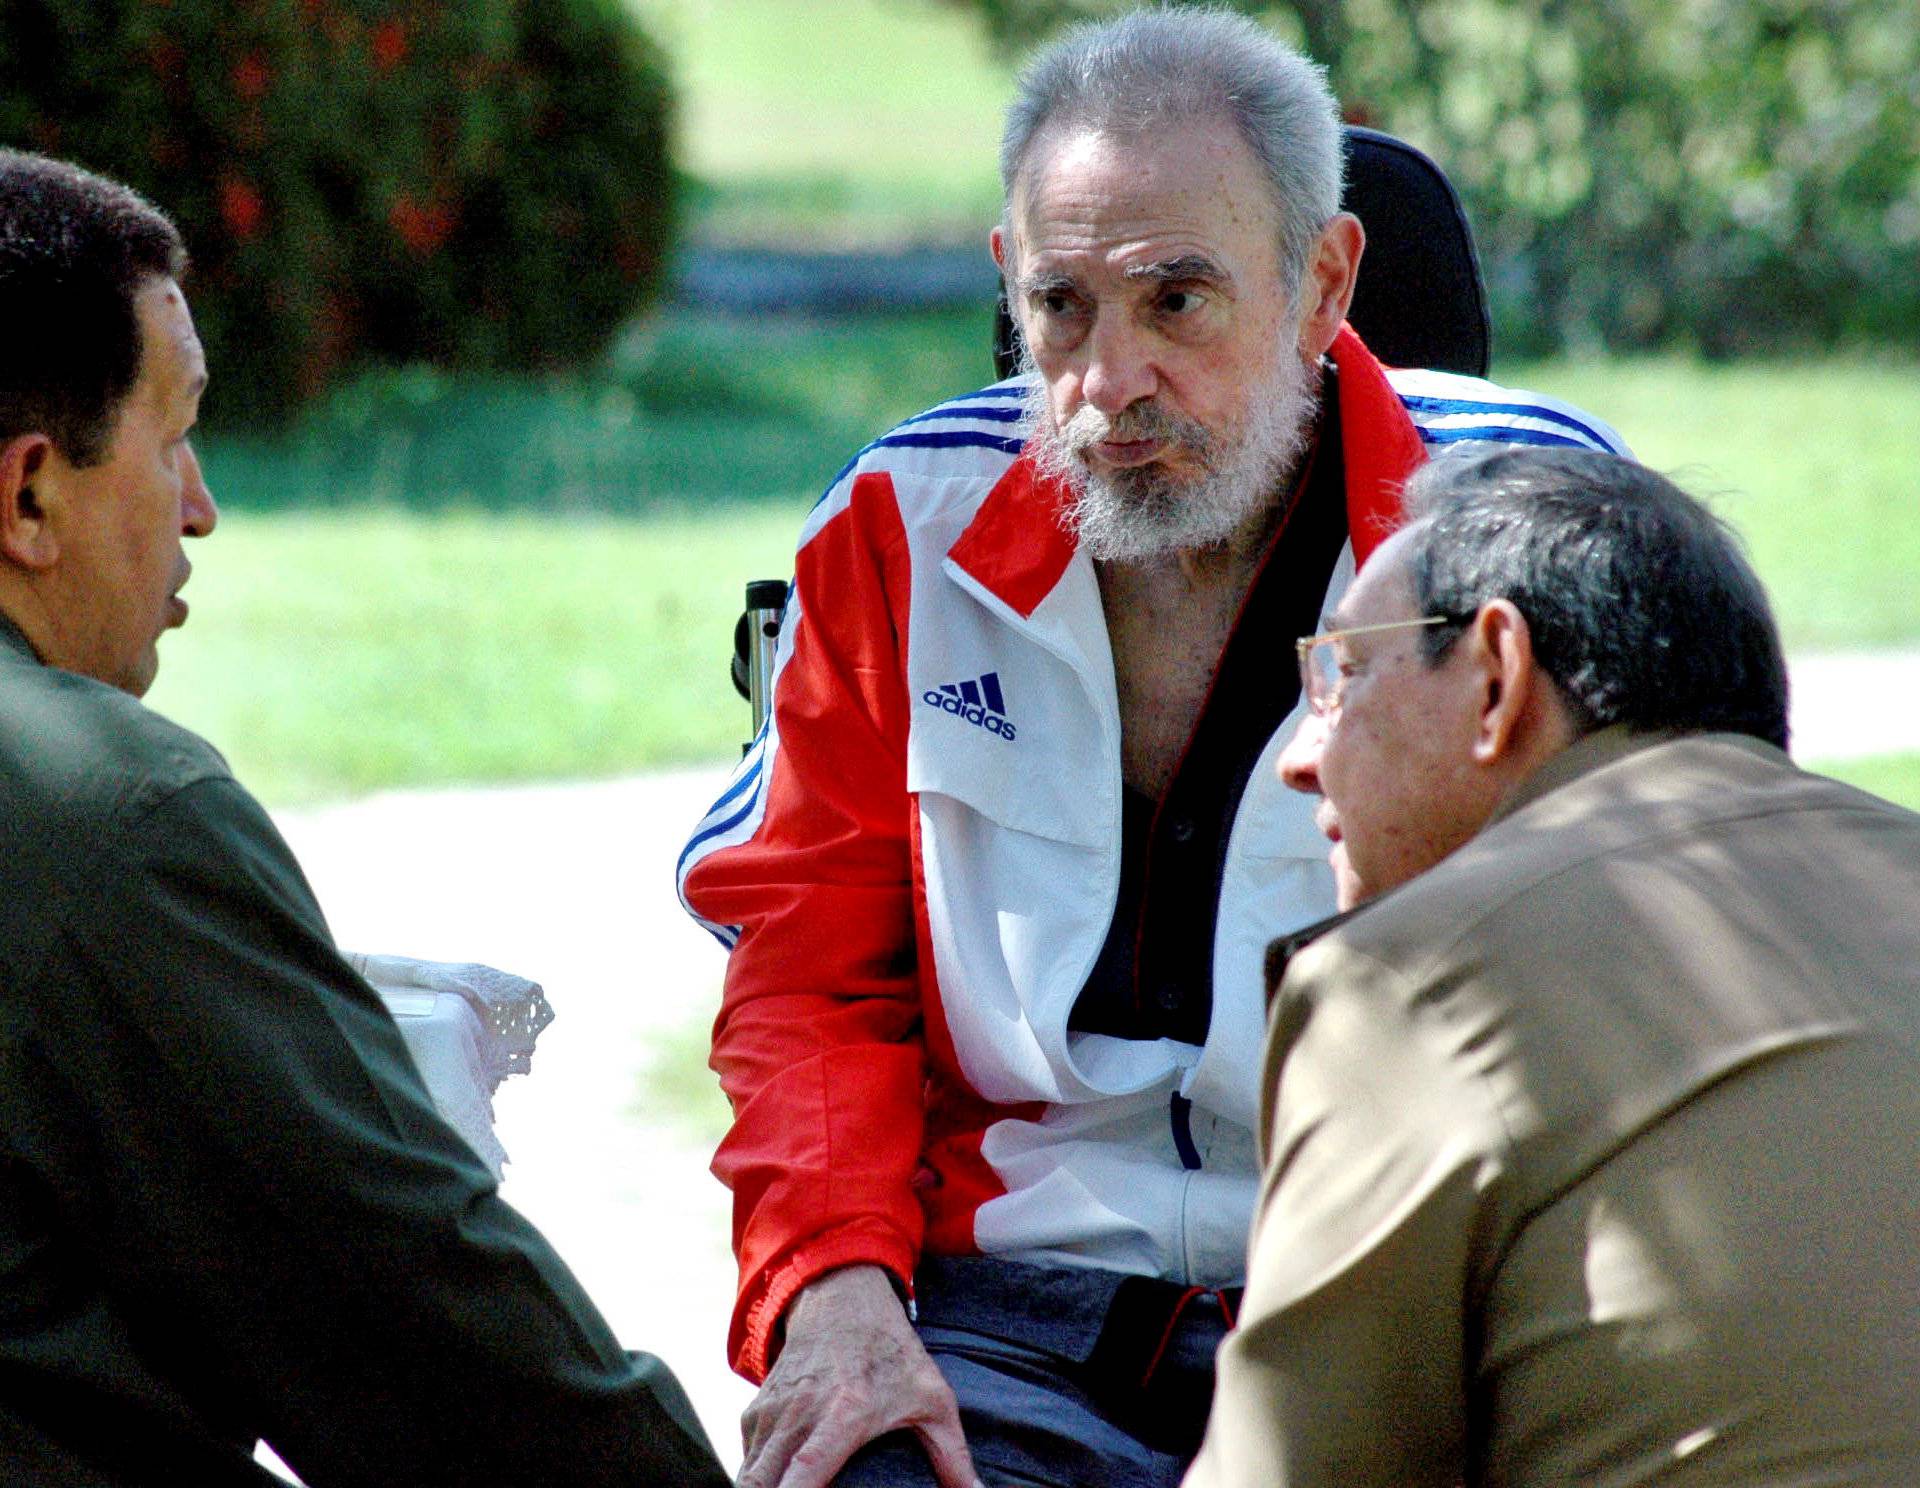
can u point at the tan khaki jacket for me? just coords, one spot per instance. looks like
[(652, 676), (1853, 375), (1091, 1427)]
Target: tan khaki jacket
[(1593, 1155)]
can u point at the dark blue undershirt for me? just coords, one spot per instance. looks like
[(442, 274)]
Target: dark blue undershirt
[(1154, 975)]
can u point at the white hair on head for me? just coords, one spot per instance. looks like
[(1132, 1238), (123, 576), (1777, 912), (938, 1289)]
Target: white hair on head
[(1152, 69)]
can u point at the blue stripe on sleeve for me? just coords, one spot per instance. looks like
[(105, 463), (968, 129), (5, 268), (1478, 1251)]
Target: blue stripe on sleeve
[(751, 778), (1506, 434), (1444, 406), (950, 439), (939, 439), (990, 413), (738, 786)]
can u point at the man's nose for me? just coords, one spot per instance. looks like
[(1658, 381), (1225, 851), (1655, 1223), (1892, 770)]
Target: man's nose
[(1120, 370), (1300, 761), (198, 511)]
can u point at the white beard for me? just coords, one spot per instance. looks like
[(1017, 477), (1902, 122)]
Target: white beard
[(1144, 511)]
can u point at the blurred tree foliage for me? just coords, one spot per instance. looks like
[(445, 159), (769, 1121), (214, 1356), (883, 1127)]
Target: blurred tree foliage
[(470, 183), (1732, 175)]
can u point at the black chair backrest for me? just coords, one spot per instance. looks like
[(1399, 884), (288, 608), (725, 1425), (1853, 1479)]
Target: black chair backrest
[(1419, 300)]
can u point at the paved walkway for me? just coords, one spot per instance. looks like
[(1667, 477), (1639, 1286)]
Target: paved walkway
[(1850, 704), (572, 885)]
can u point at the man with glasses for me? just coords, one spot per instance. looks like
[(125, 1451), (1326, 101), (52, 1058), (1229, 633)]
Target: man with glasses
[(1590, 1137)]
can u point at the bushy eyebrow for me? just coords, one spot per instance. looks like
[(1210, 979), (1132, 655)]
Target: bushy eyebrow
[(1037, 284), (1188, 268)]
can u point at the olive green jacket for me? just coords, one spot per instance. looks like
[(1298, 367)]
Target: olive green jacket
[(228, 1209)]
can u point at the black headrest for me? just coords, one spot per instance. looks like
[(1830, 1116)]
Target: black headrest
[(1419, 301)]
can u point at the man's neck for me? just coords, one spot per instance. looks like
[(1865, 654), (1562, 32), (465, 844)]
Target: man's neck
[(1168, 619)]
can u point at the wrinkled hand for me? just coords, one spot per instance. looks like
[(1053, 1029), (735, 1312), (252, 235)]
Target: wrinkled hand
[(852, 1369)]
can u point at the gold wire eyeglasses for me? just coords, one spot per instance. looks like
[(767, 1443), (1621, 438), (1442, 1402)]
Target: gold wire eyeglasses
[(1323, 673)]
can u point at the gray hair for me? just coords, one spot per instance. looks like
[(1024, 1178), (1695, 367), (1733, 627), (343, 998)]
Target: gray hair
[(1155, 68), (1640, 605)]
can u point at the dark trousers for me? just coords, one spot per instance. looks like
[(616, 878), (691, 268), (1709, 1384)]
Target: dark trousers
[(1065, 1377)]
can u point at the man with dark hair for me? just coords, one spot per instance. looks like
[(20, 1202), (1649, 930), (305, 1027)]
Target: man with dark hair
[(70, 282), (228, 1208), (998, 876), (1590, 1143), (1644, 613)]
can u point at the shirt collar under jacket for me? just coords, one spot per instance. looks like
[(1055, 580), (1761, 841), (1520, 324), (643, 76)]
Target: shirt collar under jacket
[(14, 639)]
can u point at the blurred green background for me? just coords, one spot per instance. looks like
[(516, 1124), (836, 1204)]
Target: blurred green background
[(433, 577)]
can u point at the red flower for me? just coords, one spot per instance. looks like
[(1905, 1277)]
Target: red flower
[(388, 43), (241, 207), (251, 75), (422, 227)]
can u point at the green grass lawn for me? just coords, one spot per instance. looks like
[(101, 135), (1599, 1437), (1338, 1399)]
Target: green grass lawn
[(507, 580), (690, 411), (335, 653), (854, 121), (1814, 462)]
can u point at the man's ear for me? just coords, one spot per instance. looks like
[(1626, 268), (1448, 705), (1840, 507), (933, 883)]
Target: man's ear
[(1326, 289), (26, 534), (997, 241), (1500, 650)]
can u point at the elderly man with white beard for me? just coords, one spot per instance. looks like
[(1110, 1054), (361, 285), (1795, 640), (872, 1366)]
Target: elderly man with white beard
[(999, 873)]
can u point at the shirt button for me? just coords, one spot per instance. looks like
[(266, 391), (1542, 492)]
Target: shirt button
[(1170, 998), (1181, 829)]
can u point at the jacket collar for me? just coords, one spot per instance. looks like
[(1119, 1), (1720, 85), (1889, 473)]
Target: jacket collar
[(1590, 752), (1378, 441), (1586, 755), (1282, 950), (14, 645), (1017, 545), (1608, 746), (1582, 757)]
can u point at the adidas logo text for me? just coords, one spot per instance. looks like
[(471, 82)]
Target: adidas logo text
[(979, 703)]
